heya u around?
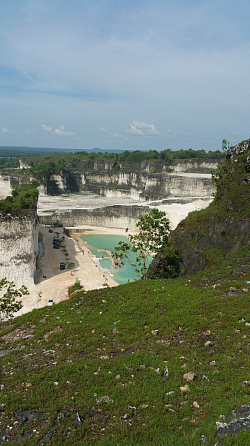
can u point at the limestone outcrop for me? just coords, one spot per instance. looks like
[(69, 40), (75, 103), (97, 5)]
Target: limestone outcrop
[(141, 186), (19, 246)]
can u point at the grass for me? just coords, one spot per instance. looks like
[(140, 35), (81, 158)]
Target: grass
[(94, 365), (75, 287), (100, 343)]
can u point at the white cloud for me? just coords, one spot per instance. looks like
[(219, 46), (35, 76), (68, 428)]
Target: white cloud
[(141, 128), (61, 132), (115, 135), (57, 132), (236, 133), (4, 130), (46, 128)]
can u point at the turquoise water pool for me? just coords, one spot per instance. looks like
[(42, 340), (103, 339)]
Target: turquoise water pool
[(108, 241)]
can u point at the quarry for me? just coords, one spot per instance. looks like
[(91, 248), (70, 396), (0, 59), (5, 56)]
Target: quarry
[(170, 356), (94, 201)]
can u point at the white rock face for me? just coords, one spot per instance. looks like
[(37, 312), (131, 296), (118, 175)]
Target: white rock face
[(138, 186), (192, 165), (120, 193), (5, 187), (18, 249), (83, 179), (60, 182)]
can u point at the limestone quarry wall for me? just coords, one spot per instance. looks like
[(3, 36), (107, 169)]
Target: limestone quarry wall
[(117, 216), (19, 248), (193, 166), (144, 181), (139, 186)]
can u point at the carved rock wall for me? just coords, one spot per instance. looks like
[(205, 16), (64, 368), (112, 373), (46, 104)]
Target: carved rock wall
[(137, 185), (117, 216), (19, 247)]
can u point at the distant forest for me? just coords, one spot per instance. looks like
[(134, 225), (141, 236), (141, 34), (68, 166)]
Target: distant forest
[(41, 160)]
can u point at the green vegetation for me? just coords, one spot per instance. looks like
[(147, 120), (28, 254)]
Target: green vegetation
[(107, 367), (232, 196), (103, 343), (22, 197), (71, 265), (20, 152), (41, 166), (76, 286), (8, 303), (8, 162), (225, 145), (152, 238)]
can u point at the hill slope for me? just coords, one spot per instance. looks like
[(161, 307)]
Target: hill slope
[(220, 229), (109, 367)]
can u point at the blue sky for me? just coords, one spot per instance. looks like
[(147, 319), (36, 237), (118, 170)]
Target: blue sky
[(130, 75)]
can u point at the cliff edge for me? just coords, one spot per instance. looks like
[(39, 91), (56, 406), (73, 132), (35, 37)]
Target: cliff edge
[(19, 235), (220, 230)]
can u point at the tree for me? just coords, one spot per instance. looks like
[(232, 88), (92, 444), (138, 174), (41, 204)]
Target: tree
[(9, 293), (154, 229), (225, 145)]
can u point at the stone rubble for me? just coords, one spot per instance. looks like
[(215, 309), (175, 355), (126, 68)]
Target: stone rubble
[(238, 421)]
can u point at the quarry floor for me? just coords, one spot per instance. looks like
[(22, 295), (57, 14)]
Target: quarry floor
[(176, 208), (52, 283)]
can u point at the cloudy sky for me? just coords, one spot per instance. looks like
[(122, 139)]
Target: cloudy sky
[(124, 74)]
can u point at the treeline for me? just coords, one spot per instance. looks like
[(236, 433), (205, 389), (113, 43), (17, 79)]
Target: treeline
[(19, 152), (165, 155), (9, 163), (22, 197), (41, 165)]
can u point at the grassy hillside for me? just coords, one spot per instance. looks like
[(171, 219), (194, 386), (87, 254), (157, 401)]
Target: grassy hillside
[(111, 367), (92, 370)]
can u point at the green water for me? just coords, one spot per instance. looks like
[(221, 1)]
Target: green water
[(103, 241)]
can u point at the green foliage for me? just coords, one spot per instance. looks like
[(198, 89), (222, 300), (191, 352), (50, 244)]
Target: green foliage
[(74, 344), (14, 183), (71, 265), (116, 167), (76, 286), (8, 162), (8, 303), (225, 145), (232, 183), (172, 257), (22, 197), (152, 237)]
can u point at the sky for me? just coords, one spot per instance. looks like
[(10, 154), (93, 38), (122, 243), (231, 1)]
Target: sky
[(124, 74)]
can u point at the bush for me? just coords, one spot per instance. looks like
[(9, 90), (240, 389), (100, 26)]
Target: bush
[(76, 286), (22, 197)]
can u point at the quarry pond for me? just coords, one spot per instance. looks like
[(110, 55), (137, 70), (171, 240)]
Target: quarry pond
[(102, 245)]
